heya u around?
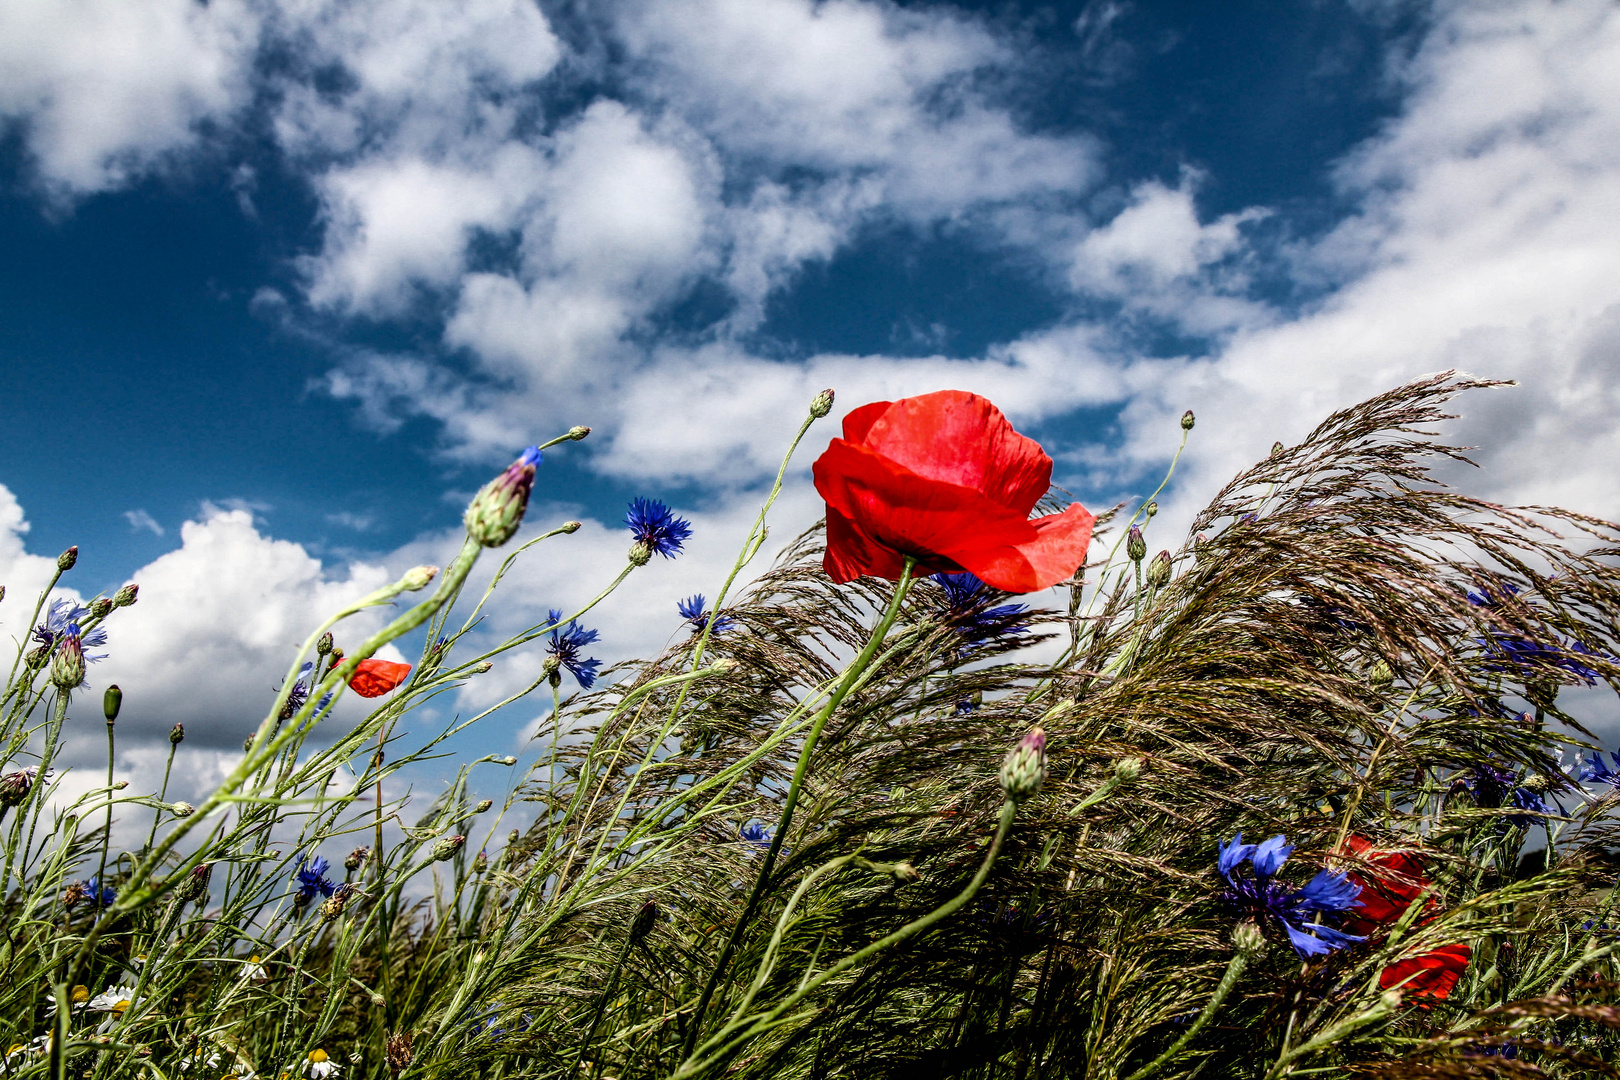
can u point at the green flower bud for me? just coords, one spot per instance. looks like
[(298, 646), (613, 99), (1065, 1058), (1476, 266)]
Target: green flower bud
[(507, 760), (65, 561), (447, 846), (324, 644), (67, 666), (177, 735), (1023, 770), (578, 432), (37, 658), (110, 702), (481, 668), (496, 512), (1276, 449), (512, 837), (100, 607), (480, 862), (1135, 546), (1248, 940), (640, 552), (195, 887), (1187, 420), (126, 596), (1150, 509), (822, 404), (182, 809), (418, 577), (484, 804), (1128, 769), (570, 527), (1380, 674), (1158, 571), (356, 859)]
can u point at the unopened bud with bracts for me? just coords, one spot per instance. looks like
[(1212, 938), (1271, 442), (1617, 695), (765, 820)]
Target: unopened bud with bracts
[(570, 527), (1380, 674), (640, 552), (418, 577), (126, 596), (67, 665), (15, 786), (111, 700), (480, 862), (65, 561), (1158, 571), (1128, 769), (482, 668), (551, 671), (725, 665), (1150, 509), (334, 905), (578, 432), (1248, 940), (512, 837), (323, 644), (446, 847), (177, 735), (496, 512), (646, 916), (1187, 420), (507, 760), (1023, 770), (483, 804), (2, 592), (100, 607), (38, 658), (356, 859), (822, 404), (1276, 449), (182, 809), (1135, 546), (195, 886)]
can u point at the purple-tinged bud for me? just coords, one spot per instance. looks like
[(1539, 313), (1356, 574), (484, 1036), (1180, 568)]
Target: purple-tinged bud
[(447, 846), (323, 644), (570, 527), (67, 666), (482, 668), (177, 735), (1187, 420), (15, 786), (1135, 546), (1023, 770), (822, 404), (100, 607), (1158, 571), (418, 577), (356, 859), (578, 432), (111, 701), (196, 884), (495, 513), (65, 561), (126, 596), (480, 862), (645, 918)]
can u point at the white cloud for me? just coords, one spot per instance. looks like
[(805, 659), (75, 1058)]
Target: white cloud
[(25, 575), (141, 520)]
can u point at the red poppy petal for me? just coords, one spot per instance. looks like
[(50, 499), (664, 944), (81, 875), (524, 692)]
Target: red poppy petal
[(961, 438), (860, 420), (1432, 974), (851, 553), (373, 678), (1054, 555)]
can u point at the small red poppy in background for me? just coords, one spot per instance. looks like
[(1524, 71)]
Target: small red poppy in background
[(373, 678), (944, 478), (1391, 881)]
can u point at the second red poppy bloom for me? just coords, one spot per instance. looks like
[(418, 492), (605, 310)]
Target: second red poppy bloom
[(373, 678), (944, 479)]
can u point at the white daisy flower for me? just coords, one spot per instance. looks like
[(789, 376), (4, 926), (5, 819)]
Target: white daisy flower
[(319, 1065), (79, 996), (115, 999)]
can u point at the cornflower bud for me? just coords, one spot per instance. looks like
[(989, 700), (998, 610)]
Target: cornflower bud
[(1187, 420), (1150, 509), (378, 1000), (1024, 768), (37, 658), (72, 895), (177, 735), (110, 702), (483, 804), (67, 666), (1276, 449), (496, 512), (578, 432), (822, 404), (126, 596), (333, 907), (640, 552), (725, 664), (570, 527), (121, 785), (324, 644), (2, 592), (1135, 546), (182, 809), (1128, 769), (356, 859), (446, 847), (196, 884), (512, 837), (642, 924), (1158, 571), (483, 668), (418, 577), (1248, 940), (1380, 674), (480, 862), (101, 607), (15, 786), (65, 561)]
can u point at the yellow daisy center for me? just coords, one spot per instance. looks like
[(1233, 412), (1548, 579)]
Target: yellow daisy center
[(317, 1056), (120, 1006), (80, 995)]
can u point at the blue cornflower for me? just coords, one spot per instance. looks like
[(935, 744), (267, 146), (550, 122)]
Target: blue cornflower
[(97, 894), (1496, 788), (693, 610), (566, 642), (969, 609), (64, 618), (311, 878), (756, 835), (656, 529), (1516, 654), (1596, 769), (1273, 904), (300, 692)]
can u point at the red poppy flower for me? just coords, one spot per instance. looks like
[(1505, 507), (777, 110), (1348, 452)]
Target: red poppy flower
[(944, 478), (373, 678), (1433, 974), (1391, 884)]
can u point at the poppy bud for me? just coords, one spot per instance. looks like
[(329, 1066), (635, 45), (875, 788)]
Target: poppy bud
[(642, 924), (15, 786), (484, 804), (65, 561), (1158, 571), (640, 552), (182, 809), (570, 527), (1248, 940), (356, 859), (578, 432), (446, 847), (1135, 546), (324, 644), (822, 404), (1149, 509), (101, 607), (418, 577), (67, 666), (177, 735), (110, 701), (1024, 768), (126, 596), (1187, 420), (496, 512), (480, 862)]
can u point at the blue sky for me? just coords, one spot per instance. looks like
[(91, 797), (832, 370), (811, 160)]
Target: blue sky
[(284, 280)]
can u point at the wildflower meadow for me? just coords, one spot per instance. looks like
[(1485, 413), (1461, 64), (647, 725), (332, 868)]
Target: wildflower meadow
[(967, 780)]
